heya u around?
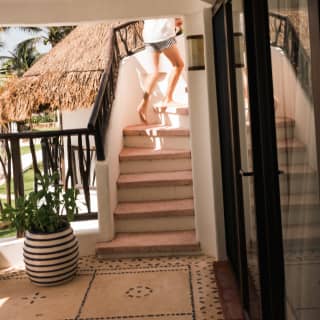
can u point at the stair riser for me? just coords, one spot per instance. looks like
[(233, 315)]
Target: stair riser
[(283, 132), (287, 157), (155, 224), (298, 184), (176, 120), (171, 192), (298, 215), (161, 165), (300, 243), (292, 157), (151, 253), (165, 142)]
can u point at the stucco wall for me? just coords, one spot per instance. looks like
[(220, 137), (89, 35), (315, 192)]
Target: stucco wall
[(64, 12), (205, 143), (294, 103)]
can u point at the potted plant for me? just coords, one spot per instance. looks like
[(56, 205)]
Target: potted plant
[(50, 247)]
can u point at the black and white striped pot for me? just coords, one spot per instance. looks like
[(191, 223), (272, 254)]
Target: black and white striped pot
[(51, 258)]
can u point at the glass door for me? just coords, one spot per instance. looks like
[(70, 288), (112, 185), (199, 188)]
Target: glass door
[(295, 60), (246, 153), (249, 155)]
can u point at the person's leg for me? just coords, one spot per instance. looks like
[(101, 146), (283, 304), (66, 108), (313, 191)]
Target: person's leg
[(151, 82), (174, 56)]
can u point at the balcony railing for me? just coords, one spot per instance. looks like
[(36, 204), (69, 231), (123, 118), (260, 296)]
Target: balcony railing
[(126, 40), (283, 35), (71, 153)]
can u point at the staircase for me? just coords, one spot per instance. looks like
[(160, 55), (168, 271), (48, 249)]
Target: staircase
[(300, 205), (155, 212)]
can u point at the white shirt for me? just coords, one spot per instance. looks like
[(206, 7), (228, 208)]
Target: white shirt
[(156, 30)]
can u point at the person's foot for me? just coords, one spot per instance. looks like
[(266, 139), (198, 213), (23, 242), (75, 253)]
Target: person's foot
[(142, 110), (168, 103)]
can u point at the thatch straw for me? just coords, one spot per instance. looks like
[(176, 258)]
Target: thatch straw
[(67, 77)]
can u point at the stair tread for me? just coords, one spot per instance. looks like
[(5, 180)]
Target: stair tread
[(180, 109), (150, 241), (290, 143), (296, 232), (155, 130), (150, 209), (300, 200), (148, 153), (155, 178), (283, 121), (280, 122), (297, 169)]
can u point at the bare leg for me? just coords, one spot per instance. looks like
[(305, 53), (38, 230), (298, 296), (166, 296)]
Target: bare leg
[(174, 56), (142, 107)]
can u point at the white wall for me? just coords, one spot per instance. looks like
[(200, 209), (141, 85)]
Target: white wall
[(294, 103), (18, 12), (205, 143), (76, 119)]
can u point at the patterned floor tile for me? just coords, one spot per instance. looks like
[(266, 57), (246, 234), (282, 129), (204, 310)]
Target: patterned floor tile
[(21, 300), (168, 288)]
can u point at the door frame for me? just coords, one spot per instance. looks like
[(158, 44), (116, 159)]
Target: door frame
[(265, 163), (230, 148)]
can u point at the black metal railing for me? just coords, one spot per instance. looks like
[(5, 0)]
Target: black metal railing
[(283, 35), (125, 40), (71, 153)]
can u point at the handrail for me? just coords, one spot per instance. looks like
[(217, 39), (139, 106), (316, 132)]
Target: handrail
[(125, 40), (284, 36), (43, 134)]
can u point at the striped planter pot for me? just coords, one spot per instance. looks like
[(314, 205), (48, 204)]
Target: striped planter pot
[(51, 259)]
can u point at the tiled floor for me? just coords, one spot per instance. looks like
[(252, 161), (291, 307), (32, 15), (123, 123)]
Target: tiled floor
[(171, 288), (303, 283), (228, 290)]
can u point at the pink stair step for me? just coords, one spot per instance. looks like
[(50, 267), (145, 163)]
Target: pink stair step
[(153, 154), (154, 130), (150, 242), (179, 110), (180, 178), (149, 209), (284, 122), (291, 144)]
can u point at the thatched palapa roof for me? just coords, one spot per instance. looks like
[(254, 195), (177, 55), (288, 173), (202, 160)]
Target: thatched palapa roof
[(67, 77)]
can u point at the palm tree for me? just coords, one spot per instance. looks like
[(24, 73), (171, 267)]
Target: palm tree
[(56, 34), (26, 53), (20, 60)]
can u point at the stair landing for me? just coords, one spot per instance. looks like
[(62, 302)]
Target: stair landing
[(146, 243)]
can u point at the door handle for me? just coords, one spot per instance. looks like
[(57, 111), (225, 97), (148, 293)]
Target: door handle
[(246, 173), (251, 173)]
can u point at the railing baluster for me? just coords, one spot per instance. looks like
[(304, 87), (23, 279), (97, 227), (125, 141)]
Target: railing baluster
[(36, 169), (17, 169), (294, 51), (83, 173), (69, 175)]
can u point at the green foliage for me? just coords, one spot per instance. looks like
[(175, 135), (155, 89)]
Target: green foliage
[(46, 211), (26, 53), (21, 59), (44, 117)]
